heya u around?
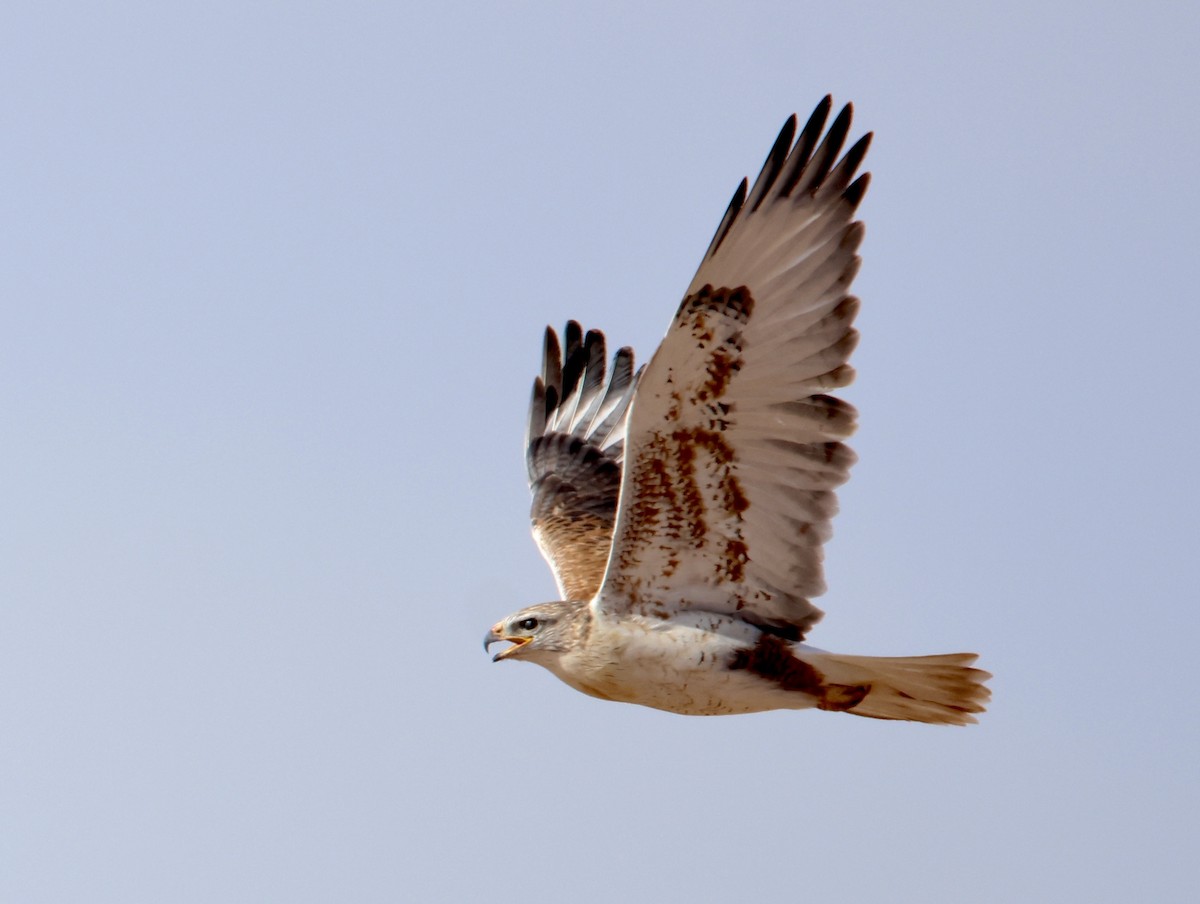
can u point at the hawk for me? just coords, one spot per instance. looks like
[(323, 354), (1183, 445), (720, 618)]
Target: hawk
[(682, 507)]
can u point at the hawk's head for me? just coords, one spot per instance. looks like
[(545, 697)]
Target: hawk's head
[(540, 632)]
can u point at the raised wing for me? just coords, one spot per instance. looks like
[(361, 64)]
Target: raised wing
[(574, 448), (733, 450)]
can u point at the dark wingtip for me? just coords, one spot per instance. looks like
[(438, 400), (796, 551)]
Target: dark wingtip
[(855, 190), (551, 359), (572, 337), (776, 158), (731, 214), (835, 138), (739, 196), (819, 116), (801, 154), (853, 157), (783, 143)]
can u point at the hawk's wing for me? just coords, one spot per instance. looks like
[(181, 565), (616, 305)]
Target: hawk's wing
[(733, 450), (574, 447)]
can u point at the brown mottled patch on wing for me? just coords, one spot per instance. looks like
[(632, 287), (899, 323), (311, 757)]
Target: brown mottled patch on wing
[(737, 554), (736, 303), (654, 510), (685, 477), (686, 501), (702, 312), (689, 442), (772, 658), (576, 544)]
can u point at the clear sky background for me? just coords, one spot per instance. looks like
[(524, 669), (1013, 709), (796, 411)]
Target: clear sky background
[(274, 278)]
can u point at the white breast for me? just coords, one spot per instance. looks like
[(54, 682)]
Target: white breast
[(678, 664)]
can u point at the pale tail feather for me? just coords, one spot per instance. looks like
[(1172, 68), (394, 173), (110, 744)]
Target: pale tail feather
[(939, 689)]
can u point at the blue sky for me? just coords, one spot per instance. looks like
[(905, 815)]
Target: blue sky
[(274, 281)]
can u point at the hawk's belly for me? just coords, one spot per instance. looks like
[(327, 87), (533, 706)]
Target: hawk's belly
[(681, 665)]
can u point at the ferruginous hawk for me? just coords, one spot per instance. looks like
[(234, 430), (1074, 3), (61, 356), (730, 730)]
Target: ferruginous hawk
[(682, 507)]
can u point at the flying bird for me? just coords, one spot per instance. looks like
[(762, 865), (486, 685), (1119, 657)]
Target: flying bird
[(682, 507)]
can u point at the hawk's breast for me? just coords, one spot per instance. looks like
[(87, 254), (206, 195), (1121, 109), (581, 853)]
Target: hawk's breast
[(685, 664)]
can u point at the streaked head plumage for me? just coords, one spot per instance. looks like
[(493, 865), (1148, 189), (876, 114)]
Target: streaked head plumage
[(536, 632)]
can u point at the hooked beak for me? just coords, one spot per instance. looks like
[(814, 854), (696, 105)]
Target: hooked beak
[(496, 635)]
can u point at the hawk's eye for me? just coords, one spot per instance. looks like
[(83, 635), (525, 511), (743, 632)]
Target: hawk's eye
[(527, 624)]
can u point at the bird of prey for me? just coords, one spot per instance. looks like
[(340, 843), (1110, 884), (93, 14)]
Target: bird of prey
[(683, 507)]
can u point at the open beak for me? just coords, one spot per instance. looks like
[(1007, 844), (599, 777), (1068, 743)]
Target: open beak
[(496, 635)]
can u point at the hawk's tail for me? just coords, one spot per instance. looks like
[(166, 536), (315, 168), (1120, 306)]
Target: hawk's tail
[(939, 689)]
